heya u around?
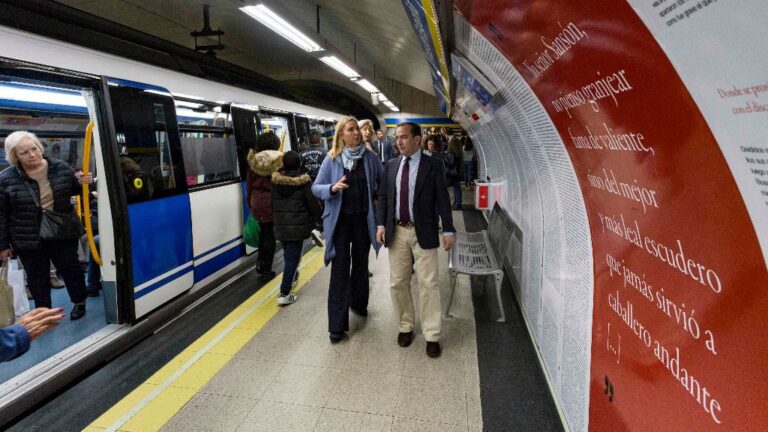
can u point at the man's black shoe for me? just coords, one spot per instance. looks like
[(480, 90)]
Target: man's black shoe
[(77, 312), (267, 276), (370, 274), (433, 349), (405, 339)]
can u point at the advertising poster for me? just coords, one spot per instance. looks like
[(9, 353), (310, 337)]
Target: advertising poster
[(663, 107)]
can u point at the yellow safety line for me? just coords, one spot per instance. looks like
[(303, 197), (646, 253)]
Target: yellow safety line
[(151, 405)]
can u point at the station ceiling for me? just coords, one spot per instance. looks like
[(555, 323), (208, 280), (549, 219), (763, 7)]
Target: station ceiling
[(374, 35)]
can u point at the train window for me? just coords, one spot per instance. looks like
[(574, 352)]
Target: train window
[(317, 125), (279, 125), (148, 143), (207, 142), (209, 157)]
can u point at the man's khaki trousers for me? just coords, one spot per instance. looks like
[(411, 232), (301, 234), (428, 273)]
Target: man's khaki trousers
[(402, 251)]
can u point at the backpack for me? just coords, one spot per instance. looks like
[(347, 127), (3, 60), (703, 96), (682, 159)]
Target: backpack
[(450, 165)]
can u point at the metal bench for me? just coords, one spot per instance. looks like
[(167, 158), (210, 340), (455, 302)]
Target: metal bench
[(472, 254)]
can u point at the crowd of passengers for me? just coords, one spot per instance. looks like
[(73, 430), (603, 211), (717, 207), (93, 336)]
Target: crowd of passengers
[(367, 190)]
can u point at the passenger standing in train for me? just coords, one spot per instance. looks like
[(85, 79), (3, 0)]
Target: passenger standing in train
[(412, 195), (452, 162), (295, 213), (40, 183), (263, 160), (347, 182), (93, 277)]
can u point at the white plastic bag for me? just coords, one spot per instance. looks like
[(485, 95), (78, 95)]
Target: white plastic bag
[(16, 280)]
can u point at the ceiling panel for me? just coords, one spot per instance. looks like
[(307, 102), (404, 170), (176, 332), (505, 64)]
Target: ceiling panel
[(375, 33)]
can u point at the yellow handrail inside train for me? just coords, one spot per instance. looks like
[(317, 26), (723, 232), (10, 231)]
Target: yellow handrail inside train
[(87, 194), (282, 143)]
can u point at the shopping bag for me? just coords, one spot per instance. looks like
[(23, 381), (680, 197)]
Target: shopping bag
[(16, 280), (251, 232), (7, 314)]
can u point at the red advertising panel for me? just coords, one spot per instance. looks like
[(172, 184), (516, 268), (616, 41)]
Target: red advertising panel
[(481, 196), (681, 289)]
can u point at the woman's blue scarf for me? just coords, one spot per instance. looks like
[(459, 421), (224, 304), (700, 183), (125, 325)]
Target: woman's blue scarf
[(349, 157)]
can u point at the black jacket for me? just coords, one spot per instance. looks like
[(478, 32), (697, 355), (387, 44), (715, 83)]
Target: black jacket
[(430, 200), (295, 210), (19, 216)]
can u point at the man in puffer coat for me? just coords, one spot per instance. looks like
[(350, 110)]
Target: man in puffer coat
[(295, 212), (263, 161)]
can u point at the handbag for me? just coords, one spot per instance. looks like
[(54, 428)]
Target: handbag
[(56, 225), (7, 312), (16, 281), (251, 231)]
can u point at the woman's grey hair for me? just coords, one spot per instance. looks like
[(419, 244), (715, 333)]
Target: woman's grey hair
[(13, 139), (366, 122)]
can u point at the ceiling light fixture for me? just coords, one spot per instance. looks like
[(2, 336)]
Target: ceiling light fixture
[(280, 26), (41, 95), (364, 83), (391, 106), (340, 66)]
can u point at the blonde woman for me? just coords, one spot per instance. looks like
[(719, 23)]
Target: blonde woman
[(347, 182)]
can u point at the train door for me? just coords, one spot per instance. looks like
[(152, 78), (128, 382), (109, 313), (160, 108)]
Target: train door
[(330, 129), (281, 123), (301, 125), (213, 179), (62, 110), (245, 123), (153, 178)]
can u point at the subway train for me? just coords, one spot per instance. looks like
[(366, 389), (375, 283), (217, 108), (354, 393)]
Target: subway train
[(169, 157)]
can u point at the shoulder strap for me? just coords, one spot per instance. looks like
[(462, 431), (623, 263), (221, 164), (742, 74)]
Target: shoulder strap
[(29, 188)]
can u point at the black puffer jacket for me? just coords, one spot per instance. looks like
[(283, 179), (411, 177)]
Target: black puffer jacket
[(295, 211), (19, 216)]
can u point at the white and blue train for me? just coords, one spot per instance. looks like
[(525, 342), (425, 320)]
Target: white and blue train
[(169, 158)]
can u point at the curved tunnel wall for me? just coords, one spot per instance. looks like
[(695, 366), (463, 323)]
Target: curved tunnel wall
[(627, 141)]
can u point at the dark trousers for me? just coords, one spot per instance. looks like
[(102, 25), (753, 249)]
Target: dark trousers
[(267, 245), (291, 257), (349, 270), (457, 192), (37, 264), (94, 271)]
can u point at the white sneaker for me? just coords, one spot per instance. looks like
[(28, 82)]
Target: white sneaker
[(317, 238), (286, 300), (295, 279)]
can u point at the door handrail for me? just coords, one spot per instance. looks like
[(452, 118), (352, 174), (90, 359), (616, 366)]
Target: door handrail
[(87, 195)]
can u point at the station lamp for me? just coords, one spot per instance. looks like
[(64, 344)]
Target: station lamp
[(340, 66), (280, 26)]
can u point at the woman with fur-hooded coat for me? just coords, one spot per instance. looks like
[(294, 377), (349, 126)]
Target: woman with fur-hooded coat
[(263, 161)]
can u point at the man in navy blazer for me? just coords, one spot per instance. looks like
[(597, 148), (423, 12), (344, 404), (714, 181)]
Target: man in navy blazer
[(384, 148), (412, 195)]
